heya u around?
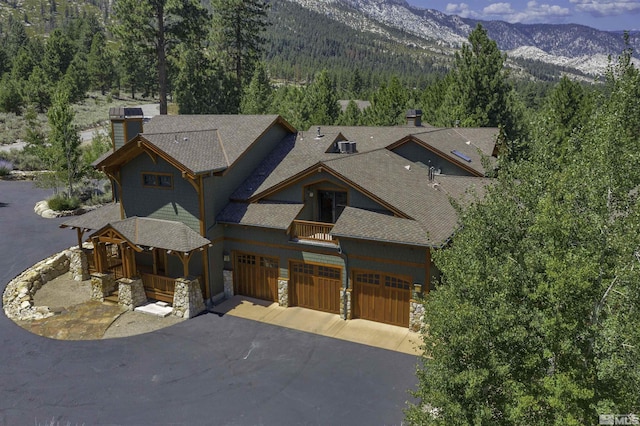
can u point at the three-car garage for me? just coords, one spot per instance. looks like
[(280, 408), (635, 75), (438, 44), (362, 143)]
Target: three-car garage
[(376, 295)]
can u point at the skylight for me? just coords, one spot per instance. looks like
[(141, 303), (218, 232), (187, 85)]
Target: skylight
[(464, 156)]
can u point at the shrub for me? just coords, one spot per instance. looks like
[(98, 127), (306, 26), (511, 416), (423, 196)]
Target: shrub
[(5, 168), (61, 202), (23, 160)]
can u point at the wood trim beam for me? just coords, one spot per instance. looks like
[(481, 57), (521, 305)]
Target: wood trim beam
[(200, 191), (319, 168), (427, 268), (205, 263), (152, 155), (79, 233)]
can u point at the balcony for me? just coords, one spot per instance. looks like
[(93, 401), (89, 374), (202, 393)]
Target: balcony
[(313, 231)]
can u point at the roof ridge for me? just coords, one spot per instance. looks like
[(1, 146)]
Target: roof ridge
[(340, 156), (181, 131), (224, 151)]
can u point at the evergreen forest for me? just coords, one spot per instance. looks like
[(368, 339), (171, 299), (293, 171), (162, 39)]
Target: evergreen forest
[(536, 317)]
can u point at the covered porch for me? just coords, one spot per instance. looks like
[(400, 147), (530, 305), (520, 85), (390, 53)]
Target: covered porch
[(121, 247), (157, 252)]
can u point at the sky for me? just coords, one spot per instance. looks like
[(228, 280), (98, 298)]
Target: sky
[(606, 15)]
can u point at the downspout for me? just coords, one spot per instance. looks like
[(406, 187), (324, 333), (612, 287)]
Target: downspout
[(345, 257)]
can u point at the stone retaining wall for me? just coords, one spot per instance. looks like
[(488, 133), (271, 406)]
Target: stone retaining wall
[(17, 299)]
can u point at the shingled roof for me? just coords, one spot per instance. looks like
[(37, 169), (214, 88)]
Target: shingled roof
[(157, 233), (406, 188), (423, 211), (94, 219), (199, 143), (264, 215)]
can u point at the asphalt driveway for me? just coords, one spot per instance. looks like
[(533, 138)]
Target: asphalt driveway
[(207, 370)]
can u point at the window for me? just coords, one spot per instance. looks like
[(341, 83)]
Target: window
[(157, 180), (327, 272), (330, 205), (396, 282), (365, 278)]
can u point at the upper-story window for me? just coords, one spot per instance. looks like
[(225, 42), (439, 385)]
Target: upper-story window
[(331, 204), (157, 180)]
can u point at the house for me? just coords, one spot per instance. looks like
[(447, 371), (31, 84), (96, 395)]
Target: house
[(336, 219)]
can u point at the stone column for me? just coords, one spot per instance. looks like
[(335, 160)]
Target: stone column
[(187, 298), (345, 304), (416, 309), (78, 264), (102, 285), (227, 277), (283, 292), (131, 293)]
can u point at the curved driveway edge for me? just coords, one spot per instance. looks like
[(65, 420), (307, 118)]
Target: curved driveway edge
[(208, 370)]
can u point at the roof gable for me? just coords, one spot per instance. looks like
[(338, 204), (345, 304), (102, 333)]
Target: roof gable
[(400, 186), (197, 144), (147, 232)]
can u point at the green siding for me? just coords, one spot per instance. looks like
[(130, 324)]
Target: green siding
[(299, 193), (118, 133), (216, 262), (358, 254), (391, 253), (177, 204), (218, 189), (134, 127), (418, 154)]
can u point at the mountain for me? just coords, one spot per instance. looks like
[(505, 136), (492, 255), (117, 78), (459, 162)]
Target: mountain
[(572, 46)]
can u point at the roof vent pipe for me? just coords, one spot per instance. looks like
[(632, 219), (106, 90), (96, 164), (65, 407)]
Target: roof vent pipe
[(432, 172)]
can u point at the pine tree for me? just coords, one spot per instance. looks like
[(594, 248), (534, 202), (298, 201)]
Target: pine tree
[(10, 97), (76, 79), (202, 86), (258, 96), (64, 138), (239, 26), (158, 26), (321, 101), (58, 54), (388, 105), (352, 116), (99, 64), (38, 89)]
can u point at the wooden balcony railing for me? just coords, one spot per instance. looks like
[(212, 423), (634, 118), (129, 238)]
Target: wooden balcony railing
[(158, 287), (314, 231)]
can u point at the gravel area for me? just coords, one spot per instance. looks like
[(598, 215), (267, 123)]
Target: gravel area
[(64, 292)]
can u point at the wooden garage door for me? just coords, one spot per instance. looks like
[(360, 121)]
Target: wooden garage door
[(256, 276), (382, 297), (315, 286)]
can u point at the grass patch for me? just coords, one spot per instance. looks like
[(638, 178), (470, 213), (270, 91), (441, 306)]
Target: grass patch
[(62, 202)]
